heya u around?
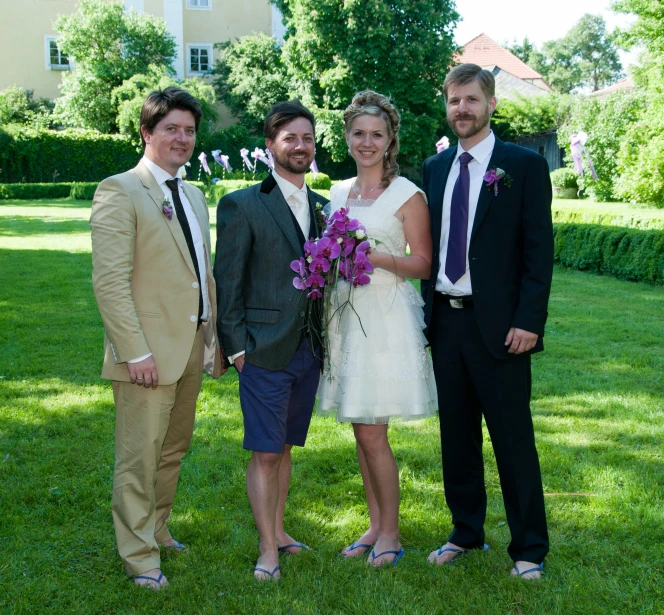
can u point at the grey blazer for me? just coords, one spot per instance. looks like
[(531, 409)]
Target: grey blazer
[(259, 309)]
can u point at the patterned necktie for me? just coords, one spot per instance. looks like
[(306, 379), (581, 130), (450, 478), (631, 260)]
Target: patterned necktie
[(455, 265), (186, 231)]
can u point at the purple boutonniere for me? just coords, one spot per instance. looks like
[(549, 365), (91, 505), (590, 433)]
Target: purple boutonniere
[(495, 175), (166, 208)]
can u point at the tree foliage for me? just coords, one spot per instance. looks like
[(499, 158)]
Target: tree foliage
[(250, 76), (524, 116), (585, 58), (335, 48), (108, 46), (18, 106)]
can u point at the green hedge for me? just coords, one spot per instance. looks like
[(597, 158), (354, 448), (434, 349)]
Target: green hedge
[(319, 182), (80, 191), (625, 253), (29, 155), (607, 215)]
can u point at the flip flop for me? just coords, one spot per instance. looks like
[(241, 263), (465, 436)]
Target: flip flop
[(156, 580), (178, 547), (459, 553), (398, 555), (285, 548), (356, 545), (259, 569), (536, 569)]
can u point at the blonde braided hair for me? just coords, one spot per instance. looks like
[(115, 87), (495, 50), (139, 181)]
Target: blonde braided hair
[(369, 102)]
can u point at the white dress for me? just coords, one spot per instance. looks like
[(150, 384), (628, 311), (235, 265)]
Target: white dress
[(378, 367)]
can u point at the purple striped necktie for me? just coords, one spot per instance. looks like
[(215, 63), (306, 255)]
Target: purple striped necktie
[(455, 264)]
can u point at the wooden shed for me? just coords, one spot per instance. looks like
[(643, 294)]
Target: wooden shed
[(546, 144)]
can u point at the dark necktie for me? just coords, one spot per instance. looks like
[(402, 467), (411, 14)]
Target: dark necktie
[(455, 265), (186, 231)]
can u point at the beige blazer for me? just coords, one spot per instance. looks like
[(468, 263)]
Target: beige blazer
[(144, 279)]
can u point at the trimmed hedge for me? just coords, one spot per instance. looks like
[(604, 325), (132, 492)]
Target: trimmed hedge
[(81, 191), (319, 182), (589, 214), (30, 155), (625, 253)]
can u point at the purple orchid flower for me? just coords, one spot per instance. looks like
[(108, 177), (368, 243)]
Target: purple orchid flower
[(300, 267), (168, 210), (319, 265), (310, 248), (316, 280), (329, 248), (314, 294), (204, 164)]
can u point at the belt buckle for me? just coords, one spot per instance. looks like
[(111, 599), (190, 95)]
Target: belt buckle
[(456, 303)]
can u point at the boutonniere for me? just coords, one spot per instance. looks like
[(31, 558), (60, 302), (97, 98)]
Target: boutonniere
[(166, 208), (495, 175)]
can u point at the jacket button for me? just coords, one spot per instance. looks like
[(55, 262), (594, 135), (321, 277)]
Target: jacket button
[(301, 313), (193, 318), (195, 284)]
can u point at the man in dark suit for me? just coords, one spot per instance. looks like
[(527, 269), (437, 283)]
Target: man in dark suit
[(486, 306), (262, 319)]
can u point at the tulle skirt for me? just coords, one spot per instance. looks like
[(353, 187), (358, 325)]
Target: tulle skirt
[(377, 368)]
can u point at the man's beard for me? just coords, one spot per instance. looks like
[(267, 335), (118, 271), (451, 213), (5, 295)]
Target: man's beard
[(284, 162), (479, 122)]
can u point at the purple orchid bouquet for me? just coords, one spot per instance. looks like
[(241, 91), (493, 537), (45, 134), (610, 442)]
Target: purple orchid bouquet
[(342, 252)]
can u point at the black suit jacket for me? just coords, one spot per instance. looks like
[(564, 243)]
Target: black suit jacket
[(258, 309), (511, 246)]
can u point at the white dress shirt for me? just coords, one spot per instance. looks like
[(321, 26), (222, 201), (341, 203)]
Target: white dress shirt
[(298, 201), (477, 167), (161, 177)]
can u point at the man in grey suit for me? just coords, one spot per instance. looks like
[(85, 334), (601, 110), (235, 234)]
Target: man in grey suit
[(262, 320)]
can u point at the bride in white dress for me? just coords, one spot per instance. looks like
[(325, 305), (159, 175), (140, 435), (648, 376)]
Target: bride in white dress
[(378, 368)]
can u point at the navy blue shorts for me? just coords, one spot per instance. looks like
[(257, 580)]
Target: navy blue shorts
[(277, 405)]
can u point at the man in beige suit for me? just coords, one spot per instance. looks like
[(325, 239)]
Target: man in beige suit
[(154, 286)]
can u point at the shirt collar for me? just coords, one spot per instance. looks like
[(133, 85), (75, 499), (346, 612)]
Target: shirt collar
[(480, 151), (158, 173), (288, 189)]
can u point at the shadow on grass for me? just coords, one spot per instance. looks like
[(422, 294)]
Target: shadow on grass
[(27, 225), (69, 203)]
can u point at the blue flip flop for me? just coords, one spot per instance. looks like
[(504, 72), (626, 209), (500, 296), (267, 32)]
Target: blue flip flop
[(536, 569), (259, 569), (356, 545), (459, 552), (178, 547), (153, 579), (398, 555), (285, 548)]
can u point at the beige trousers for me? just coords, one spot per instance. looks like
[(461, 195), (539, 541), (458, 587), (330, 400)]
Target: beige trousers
[(153, 431)]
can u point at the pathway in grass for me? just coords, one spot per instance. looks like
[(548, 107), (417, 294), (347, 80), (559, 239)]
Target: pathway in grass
[(598, 406)]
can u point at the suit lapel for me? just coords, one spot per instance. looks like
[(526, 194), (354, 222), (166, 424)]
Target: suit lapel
[(157, 196), (438, 182), (314, 231), (486, 196), (276, 204)]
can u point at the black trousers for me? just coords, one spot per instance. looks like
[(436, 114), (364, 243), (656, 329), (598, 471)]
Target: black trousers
[(471, 383)]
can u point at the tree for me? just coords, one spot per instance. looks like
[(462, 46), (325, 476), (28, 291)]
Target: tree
[(586, 57), (108, 46), (18, 106), (525, 51), (335, 48), (250, 77)]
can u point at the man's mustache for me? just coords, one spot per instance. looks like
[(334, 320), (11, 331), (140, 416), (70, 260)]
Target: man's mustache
[(464, 117)]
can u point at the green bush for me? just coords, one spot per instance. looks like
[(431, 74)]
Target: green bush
[(319, 182), (625, 253), (83, 191), (214, 192), (35, 191), (29, 155), (607, 215), (564, 178)]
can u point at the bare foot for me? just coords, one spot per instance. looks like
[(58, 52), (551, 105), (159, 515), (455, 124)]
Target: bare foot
[(383, 544), (267, 568), (362, 545), (294, 547), (447, 553), (527, 570), (153, 579)]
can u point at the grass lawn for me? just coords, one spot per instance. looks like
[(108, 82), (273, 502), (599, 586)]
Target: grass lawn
[(598, 407)]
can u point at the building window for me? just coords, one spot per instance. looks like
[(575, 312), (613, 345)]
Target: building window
[(55, 59), (204, 5), (199, 59)]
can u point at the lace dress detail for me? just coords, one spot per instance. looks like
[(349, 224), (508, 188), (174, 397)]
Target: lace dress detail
[(378, 368)]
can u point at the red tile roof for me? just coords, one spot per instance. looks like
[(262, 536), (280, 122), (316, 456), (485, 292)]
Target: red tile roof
[(625, 84), (484, 51)]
